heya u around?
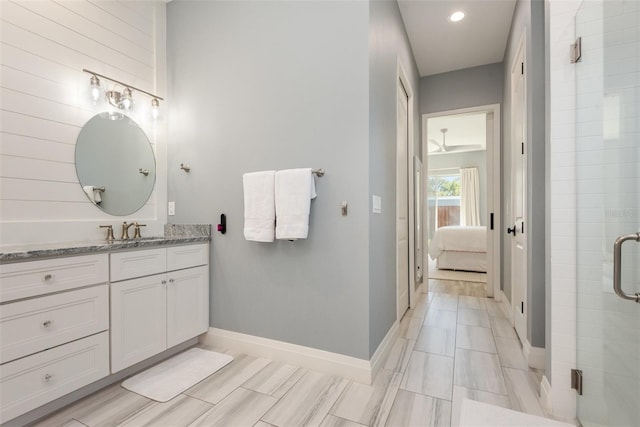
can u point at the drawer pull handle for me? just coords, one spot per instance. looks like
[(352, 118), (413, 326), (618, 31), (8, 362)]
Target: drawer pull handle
[(48, 377), (170, 280), (164, 282), (48, 276), (47, 323)]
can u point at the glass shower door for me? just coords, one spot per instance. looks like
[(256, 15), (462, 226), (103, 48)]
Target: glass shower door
[(608, 206)]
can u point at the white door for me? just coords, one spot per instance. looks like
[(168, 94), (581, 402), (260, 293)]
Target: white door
[(187, 304), (518, 197), (402, 201), (138, 320)]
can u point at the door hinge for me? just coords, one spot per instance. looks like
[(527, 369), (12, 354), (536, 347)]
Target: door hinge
[(521, 307), (576, 380), (491, 221), (522, 148), (575, 51)]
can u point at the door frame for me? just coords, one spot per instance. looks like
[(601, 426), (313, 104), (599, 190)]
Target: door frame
[(494, 188), (403, 79)]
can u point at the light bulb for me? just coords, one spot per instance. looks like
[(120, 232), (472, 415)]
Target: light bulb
[(456, 16), (155, 108), (125, 99), (95, 88)]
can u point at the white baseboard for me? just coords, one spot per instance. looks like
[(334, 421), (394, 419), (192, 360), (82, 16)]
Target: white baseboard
[(535, 356), (545, 395), (355, 369), (507, 304), (380, 356)]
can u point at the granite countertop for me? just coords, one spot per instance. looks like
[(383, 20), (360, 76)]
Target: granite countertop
[(175, 234)]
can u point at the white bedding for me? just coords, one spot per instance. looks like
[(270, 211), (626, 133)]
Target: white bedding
[(459, 239), (462, 261)]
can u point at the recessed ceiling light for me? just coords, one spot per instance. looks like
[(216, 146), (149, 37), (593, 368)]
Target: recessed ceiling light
[(456, 16)]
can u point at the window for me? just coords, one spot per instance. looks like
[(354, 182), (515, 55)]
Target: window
[(444, 199)]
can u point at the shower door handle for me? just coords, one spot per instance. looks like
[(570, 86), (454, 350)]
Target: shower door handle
[(617, 267)]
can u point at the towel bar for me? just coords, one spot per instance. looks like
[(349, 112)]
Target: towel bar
[(318, 172)]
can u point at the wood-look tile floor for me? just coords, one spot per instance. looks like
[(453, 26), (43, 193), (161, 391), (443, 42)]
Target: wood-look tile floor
[(453, 344)]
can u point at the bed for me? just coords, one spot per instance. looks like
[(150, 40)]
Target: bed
[(460, 248)]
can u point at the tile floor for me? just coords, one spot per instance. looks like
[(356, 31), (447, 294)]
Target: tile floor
[(453, 344)]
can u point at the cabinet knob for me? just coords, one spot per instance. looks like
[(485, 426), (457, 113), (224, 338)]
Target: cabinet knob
[(47, 377), (170, 280), (47, 323), (164, 282), (48, 276)]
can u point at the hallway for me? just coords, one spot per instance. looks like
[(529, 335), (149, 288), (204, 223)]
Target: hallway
[(453, 344), (459, 344)]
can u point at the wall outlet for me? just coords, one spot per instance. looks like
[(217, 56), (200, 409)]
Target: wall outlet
[(376, 204), (171, 209)]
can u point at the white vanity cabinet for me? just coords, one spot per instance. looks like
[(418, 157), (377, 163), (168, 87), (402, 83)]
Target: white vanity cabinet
[(54, 323), (159, 298)]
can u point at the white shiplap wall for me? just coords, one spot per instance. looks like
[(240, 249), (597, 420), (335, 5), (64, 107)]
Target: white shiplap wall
[(44, 102)]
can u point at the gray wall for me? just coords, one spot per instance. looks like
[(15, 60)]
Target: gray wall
[(529, 20), (476, 159), (275, 85), (388, 42), (462, 88)]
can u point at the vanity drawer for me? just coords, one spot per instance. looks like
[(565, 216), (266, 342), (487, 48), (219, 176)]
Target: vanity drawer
[(179, 257), (33, 381), (32, 278), (36, 324), (126, 265)]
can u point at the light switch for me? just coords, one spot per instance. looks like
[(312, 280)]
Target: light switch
[(171, 208), (377, 204)]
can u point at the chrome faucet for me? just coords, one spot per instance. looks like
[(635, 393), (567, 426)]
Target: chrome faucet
[(125, 230)]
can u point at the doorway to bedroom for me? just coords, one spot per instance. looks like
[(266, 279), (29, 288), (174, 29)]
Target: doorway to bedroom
[(462, 203)]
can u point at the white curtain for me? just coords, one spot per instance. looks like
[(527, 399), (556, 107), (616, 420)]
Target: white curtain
[(469, 197)]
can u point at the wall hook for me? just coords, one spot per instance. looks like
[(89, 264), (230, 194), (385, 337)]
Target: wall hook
[(144, 172), (185, 167)]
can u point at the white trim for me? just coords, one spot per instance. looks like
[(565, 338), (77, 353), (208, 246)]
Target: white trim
[(406, 83), (383, 350), (535, 356), (493, 191), (502, 297), (545, 395), (310, 358)]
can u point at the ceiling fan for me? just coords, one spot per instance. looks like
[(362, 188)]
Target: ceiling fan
[(444, 148)]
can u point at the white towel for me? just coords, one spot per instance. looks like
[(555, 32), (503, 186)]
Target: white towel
[(294, 190), (259, 206), (93, 193)]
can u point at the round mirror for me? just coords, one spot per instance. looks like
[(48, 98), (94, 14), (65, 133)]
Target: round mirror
[(115, 163)]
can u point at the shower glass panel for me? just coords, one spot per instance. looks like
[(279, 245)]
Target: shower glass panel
[(608, 206)]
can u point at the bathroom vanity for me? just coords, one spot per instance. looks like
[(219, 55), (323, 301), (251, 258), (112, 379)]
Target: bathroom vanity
[(75, 314)]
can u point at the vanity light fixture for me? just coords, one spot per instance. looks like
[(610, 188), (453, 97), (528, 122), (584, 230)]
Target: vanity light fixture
[(155, 107), (456, 16), (124, 99), (95, 88)]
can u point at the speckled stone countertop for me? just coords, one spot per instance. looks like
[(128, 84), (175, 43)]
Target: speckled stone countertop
[(175, 234)]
